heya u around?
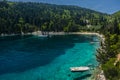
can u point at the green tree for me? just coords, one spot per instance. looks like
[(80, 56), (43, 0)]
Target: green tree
[(111, 71), (21, 25)]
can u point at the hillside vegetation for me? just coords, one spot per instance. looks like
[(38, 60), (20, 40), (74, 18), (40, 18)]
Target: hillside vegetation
[(17, 17), (109, 52)]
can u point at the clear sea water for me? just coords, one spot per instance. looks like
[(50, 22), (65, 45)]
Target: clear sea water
[(36, 58)]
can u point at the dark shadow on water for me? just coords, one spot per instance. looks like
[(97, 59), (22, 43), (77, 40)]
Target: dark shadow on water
[(83, 77), (21, 53)]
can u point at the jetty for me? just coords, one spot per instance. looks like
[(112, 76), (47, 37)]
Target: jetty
[(79, 69)]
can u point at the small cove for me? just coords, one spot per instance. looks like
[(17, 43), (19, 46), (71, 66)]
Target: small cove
[(36, 58)]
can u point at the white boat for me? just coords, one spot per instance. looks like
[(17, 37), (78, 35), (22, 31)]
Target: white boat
[(79, 69), (43, 35), (92, 42)]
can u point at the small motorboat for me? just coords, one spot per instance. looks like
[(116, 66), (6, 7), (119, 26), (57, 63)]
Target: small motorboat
[(79, 69)]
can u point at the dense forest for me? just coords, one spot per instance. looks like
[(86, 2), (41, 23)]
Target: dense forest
[(18, 17), (24, 17), (109, 52)]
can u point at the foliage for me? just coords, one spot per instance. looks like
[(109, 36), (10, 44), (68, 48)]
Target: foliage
[(111, 71), (111, 47), (23, 17)]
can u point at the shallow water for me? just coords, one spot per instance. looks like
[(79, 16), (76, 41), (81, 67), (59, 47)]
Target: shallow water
[(37, 58)]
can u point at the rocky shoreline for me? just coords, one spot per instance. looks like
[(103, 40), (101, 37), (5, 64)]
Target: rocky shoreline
[(54, 33)]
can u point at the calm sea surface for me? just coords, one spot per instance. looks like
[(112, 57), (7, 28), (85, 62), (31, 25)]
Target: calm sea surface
[(49, 58)]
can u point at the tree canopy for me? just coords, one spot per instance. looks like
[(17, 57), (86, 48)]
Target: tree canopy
[(18, 17)]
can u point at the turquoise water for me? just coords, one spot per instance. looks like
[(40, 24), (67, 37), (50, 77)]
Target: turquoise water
[(36, 58)]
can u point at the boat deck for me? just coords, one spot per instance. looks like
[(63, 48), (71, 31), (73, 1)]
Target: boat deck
[(79, 69)]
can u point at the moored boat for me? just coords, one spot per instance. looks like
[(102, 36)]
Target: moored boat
[(79, 69)]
